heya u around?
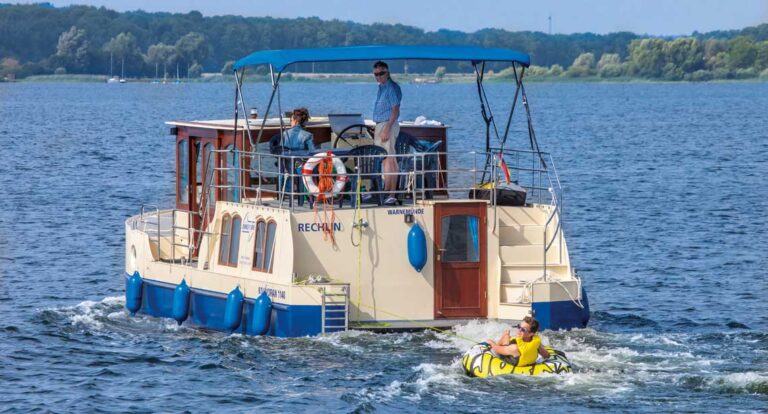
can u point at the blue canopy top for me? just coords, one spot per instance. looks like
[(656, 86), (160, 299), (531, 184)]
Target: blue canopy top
[(280, 59)]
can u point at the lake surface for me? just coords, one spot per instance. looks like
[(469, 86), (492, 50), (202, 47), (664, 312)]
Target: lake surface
[(666, 218)]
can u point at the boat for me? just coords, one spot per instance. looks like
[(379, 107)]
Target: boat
[(254, 245), (480, 362)]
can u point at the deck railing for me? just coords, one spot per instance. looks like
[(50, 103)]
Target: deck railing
[(425, 177), (184, 230), (171, 232)]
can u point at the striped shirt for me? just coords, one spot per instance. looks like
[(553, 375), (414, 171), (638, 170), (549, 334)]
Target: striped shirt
[(389, 95)]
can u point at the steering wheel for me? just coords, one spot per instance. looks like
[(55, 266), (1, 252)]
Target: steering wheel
[(341, 136)]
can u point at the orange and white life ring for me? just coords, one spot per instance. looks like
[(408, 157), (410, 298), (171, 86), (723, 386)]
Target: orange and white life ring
[(307, 171)]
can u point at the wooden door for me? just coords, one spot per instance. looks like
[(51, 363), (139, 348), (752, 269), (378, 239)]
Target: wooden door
[(460, 260)]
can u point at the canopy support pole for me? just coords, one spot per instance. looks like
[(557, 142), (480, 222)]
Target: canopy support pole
[(487, 116), (239, 82), (237, 101), (275, 83), (279, 105), (531, 132), (518, 84)]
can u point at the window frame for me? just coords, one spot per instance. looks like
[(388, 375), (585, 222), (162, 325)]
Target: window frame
[(261, 267), (182, 170), (230, 191), (229, 221)]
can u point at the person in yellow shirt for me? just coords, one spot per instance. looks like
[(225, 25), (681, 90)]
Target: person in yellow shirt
[(523, 349)]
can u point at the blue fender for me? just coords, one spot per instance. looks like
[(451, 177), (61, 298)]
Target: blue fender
[(233, 310), (417, 247), (262, 314), (133, 293), (181, 302)]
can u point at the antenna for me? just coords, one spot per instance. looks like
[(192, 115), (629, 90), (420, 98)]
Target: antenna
[(550, 23)]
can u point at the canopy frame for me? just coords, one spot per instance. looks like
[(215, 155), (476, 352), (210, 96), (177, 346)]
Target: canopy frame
[(278, 62)]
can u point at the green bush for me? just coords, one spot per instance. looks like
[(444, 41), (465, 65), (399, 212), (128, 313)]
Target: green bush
[(611, 70), (671, 72), (702, 75), (537, 71), (195, 71), (745, 73), (440, 73), (722, 73), (227, 69), (556, 70), (582, 66)]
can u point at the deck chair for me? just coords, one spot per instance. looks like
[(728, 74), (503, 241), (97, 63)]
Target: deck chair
[(407, 144), (284, 167), (369, 168)]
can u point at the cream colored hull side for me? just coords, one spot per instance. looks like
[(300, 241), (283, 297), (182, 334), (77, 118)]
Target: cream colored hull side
[(374, 262)]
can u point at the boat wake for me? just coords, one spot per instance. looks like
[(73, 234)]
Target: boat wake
[(614, 368), (410, 370)]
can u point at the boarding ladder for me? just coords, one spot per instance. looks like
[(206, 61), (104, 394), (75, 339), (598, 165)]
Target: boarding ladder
[(530, 238), (335, 307)]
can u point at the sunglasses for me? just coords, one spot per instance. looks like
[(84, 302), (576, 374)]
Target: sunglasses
[(379, 73), (522, 329)]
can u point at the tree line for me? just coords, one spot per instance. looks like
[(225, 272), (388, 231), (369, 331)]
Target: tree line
[(43, 39), (684, 58)]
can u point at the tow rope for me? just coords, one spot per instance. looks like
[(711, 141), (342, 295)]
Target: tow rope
[(325, 185)]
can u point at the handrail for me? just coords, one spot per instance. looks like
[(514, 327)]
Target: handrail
[(170, 230), (157, 213), (264, 167), (555, 189)]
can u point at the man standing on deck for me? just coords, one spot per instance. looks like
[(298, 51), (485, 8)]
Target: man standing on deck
[(386, 111)]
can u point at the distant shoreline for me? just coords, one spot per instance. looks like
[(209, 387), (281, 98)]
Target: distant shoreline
[(420, 79)]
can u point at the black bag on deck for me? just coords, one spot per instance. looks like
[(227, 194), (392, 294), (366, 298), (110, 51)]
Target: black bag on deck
[(509, 194)]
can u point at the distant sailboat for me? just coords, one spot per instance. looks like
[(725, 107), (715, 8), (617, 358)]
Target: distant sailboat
[(112, 78), (122, 70)]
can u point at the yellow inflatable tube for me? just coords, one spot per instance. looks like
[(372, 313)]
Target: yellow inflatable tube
[(480, 362)]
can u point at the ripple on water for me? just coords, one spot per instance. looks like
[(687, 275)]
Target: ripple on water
[(660, 198)]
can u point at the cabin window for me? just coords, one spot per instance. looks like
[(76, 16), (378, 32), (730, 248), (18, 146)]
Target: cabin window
[(183, 171), (258, 248), (230, 240), (263, 250), (234, 246), (460, 239), (198, 172), (269, 246), (224, 245), (232, 174)]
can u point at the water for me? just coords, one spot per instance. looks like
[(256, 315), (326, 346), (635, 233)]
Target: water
[(665, 211)]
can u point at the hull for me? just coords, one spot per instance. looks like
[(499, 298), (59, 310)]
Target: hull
[(363, 279), (207, 310)]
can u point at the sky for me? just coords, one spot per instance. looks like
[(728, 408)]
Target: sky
[(653, 17)]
